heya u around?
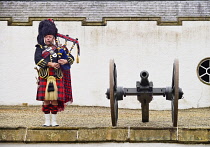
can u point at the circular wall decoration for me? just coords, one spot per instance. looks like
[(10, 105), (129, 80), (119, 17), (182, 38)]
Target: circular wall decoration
[(203, 71)]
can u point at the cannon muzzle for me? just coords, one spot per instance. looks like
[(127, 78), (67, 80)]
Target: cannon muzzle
[(144, 78)]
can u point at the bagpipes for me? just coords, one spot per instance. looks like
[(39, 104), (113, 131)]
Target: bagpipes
[(63, 51)]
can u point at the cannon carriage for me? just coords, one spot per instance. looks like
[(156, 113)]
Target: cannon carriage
[(144, 91)]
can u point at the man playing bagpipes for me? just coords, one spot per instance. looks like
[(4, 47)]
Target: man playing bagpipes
[(54, 61)]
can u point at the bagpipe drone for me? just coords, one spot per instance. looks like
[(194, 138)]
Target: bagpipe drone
[(63, 51)]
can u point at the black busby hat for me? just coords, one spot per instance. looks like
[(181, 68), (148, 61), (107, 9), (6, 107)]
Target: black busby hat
[(46, 27)]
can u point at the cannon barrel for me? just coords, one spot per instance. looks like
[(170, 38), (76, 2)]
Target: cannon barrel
[(144, 78)]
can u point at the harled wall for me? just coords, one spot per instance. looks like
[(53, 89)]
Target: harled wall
[(145, 35)]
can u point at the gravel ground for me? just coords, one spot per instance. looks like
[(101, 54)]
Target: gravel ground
[(78, 116)]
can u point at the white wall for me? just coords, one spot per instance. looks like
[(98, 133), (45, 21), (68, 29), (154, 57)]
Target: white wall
[(134, 45)]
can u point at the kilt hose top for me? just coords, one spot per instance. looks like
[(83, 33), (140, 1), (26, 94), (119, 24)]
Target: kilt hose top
[(64, 89)]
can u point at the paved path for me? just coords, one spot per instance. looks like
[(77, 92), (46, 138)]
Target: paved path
[(93, 124), (106, 145), (74, 116)]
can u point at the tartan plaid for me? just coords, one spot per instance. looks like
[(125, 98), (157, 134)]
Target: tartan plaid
[(46, 53), (46, 109), (51, 72), (42, 87), (54, 109), (67, 86)]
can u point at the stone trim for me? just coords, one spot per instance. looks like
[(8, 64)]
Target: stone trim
[(104, 134), (104, 21)]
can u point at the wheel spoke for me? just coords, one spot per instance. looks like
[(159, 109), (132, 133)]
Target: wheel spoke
[(203, 67), (203, 75)]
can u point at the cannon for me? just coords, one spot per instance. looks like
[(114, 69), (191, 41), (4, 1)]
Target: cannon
[(144, 91)]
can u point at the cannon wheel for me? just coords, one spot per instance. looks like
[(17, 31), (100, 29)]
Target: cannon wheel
[(113, 88), (175, 87)]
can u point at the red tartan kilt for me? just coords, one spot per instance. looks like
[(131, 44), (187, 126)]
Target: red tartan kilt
[(64, 89), (42, 87), (67, 85)]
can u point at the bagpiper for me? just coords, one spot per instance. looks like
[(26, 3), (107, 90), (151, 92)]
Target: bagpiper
[(54, 62)]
